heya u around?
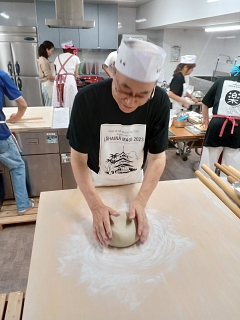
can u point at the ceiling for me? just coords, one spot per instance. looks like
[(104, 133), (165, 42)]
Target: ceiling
[(207, 22), (122, 3), (196, 24)]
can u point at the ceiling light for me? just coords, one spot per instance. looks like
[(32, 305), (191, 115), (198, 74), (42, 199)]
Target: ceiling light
[(231, 37), (226, 28), (140, 20), (212, 0), (4, 15)]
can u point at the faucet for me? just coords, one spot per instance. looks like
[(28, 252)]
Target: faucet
[(235, 60)]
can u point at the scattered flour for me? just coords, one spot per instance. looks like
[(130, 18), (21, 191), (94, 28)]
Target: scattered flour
[(131, 274)]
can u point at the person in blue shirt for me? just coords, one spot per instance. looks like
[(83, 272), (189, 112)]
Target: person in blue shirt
[(9, 153)]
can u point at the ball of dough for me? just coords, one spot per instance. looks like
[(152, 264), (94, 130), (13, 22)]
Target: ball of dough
[(124, 231)]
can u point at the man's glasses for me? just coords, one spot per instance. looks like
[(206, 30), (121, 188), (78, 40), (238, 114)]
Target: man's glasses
[(141, 97)]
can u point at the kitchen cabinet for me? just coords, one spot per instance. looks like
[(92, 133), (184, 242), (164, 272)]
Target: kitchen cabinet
[(66, 35), (46, 10), (89, 37), (108, 26), (103, 35)]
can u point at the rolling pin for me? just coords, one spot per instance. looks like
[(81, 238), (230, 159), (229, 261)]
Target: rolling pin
[(218, 193), (25, 119), (229, 190), (231, 179), (234, 171), (225, 170)]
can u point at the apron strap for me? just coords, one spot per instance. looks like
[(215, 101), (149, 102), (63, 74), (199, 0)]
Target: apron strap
[(60, 80), (227, 118)]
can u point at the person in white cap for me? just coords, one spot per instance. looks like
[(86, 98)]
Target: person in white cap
[(109, 63), (223, 131), (115, 126), (65, 86), (178, 88)]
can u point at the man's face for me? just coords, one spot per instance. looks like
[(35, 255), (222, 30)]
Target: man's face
[(130, 94)]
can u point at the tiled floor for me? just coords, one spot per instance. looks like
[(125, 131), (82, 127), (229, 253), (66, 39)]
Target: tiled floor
[(16, 240)]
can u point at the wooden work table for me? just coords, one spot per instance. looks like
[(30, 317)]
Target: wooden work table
[(46, 113), (188, 138), (187, 269)]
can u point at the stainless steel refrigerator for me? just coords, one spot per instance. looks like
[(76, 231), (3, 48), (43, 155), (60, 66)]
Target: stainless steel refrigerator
[(18, 57)]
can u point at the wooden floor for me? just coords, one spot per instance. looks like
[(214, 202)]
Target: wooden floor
[(16, 239), (9, 214)]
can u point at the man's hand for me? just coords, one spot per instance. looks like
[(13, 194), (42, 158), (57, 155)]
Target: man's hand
[(101, 223), (137, 210)]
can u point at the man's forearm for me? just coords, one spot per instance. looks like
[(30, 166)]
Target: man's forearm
[(152, 175), (84, 181)]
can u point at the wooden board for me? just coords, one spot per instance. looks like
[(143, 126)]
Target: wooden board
[(45, 112), (9, 214), (188, 268), (200, 127)]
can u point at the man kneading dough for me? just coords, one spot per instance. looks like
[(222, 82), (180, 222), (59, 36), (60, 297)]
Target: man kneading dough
[(116, 125), (124, 231)]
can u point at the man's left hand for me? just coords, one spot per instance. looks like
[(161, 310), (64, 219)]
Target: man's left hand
[(137, 210)]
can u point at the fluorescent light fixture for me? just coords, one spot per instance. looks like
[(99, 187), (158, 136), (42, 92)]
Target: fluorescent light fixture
[(212, 0), (140, 20), (230, 37), (226, 28), (4, 15)]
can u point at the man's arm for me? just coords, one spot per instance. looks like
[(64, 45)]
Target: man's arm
[(155, 166), (106, 69), (22, 107), (101, 213)]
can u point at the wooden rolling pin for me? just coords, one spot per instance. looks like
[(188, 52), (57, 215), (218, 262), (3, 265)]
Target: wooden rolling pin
[(25, 119), (225, 170), (229, 190), (234, 171), (218, 193), (231, 179)]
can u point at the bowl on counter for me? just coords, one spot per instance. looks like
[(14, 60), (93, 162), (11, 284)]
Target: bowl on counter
[(198, 95), (91, 79)]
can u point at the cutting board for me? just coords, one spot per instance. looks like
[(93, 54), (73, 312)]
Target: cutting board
[(200, 127), (46, 113)]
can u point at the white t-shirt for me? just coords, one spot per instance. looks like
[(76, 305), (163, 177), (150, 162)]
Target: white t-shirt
[(111, 58), (70, 65)]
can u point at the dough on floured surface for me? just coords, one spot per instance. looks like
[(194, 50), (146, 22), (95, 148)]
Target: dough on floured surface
[(124, 231)]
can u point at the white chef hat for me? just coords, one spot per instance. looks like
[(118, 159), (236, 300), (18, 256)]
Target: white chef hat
[(188, 59), (140, 60)]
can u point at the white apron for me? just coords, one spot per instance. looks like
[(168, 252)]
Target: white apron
[(120, 154), (49, 86), (177, 106)]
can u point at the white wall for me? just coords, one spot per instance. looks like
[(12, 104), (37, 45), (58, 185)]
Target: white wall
[(161, 12), (205, 46)]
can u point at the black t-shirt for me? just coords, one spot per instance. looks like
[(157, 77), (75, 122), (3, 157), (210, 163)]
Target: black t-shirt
[(176, 85), (212, 100), (94, 107)]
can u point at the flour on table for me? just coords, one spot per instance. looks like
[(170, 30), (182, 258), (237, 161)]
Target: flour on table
[(124, 274)]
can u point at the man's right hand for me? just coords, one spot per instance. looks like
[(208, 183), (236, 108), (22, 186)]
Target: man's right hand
[(101, 223)]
